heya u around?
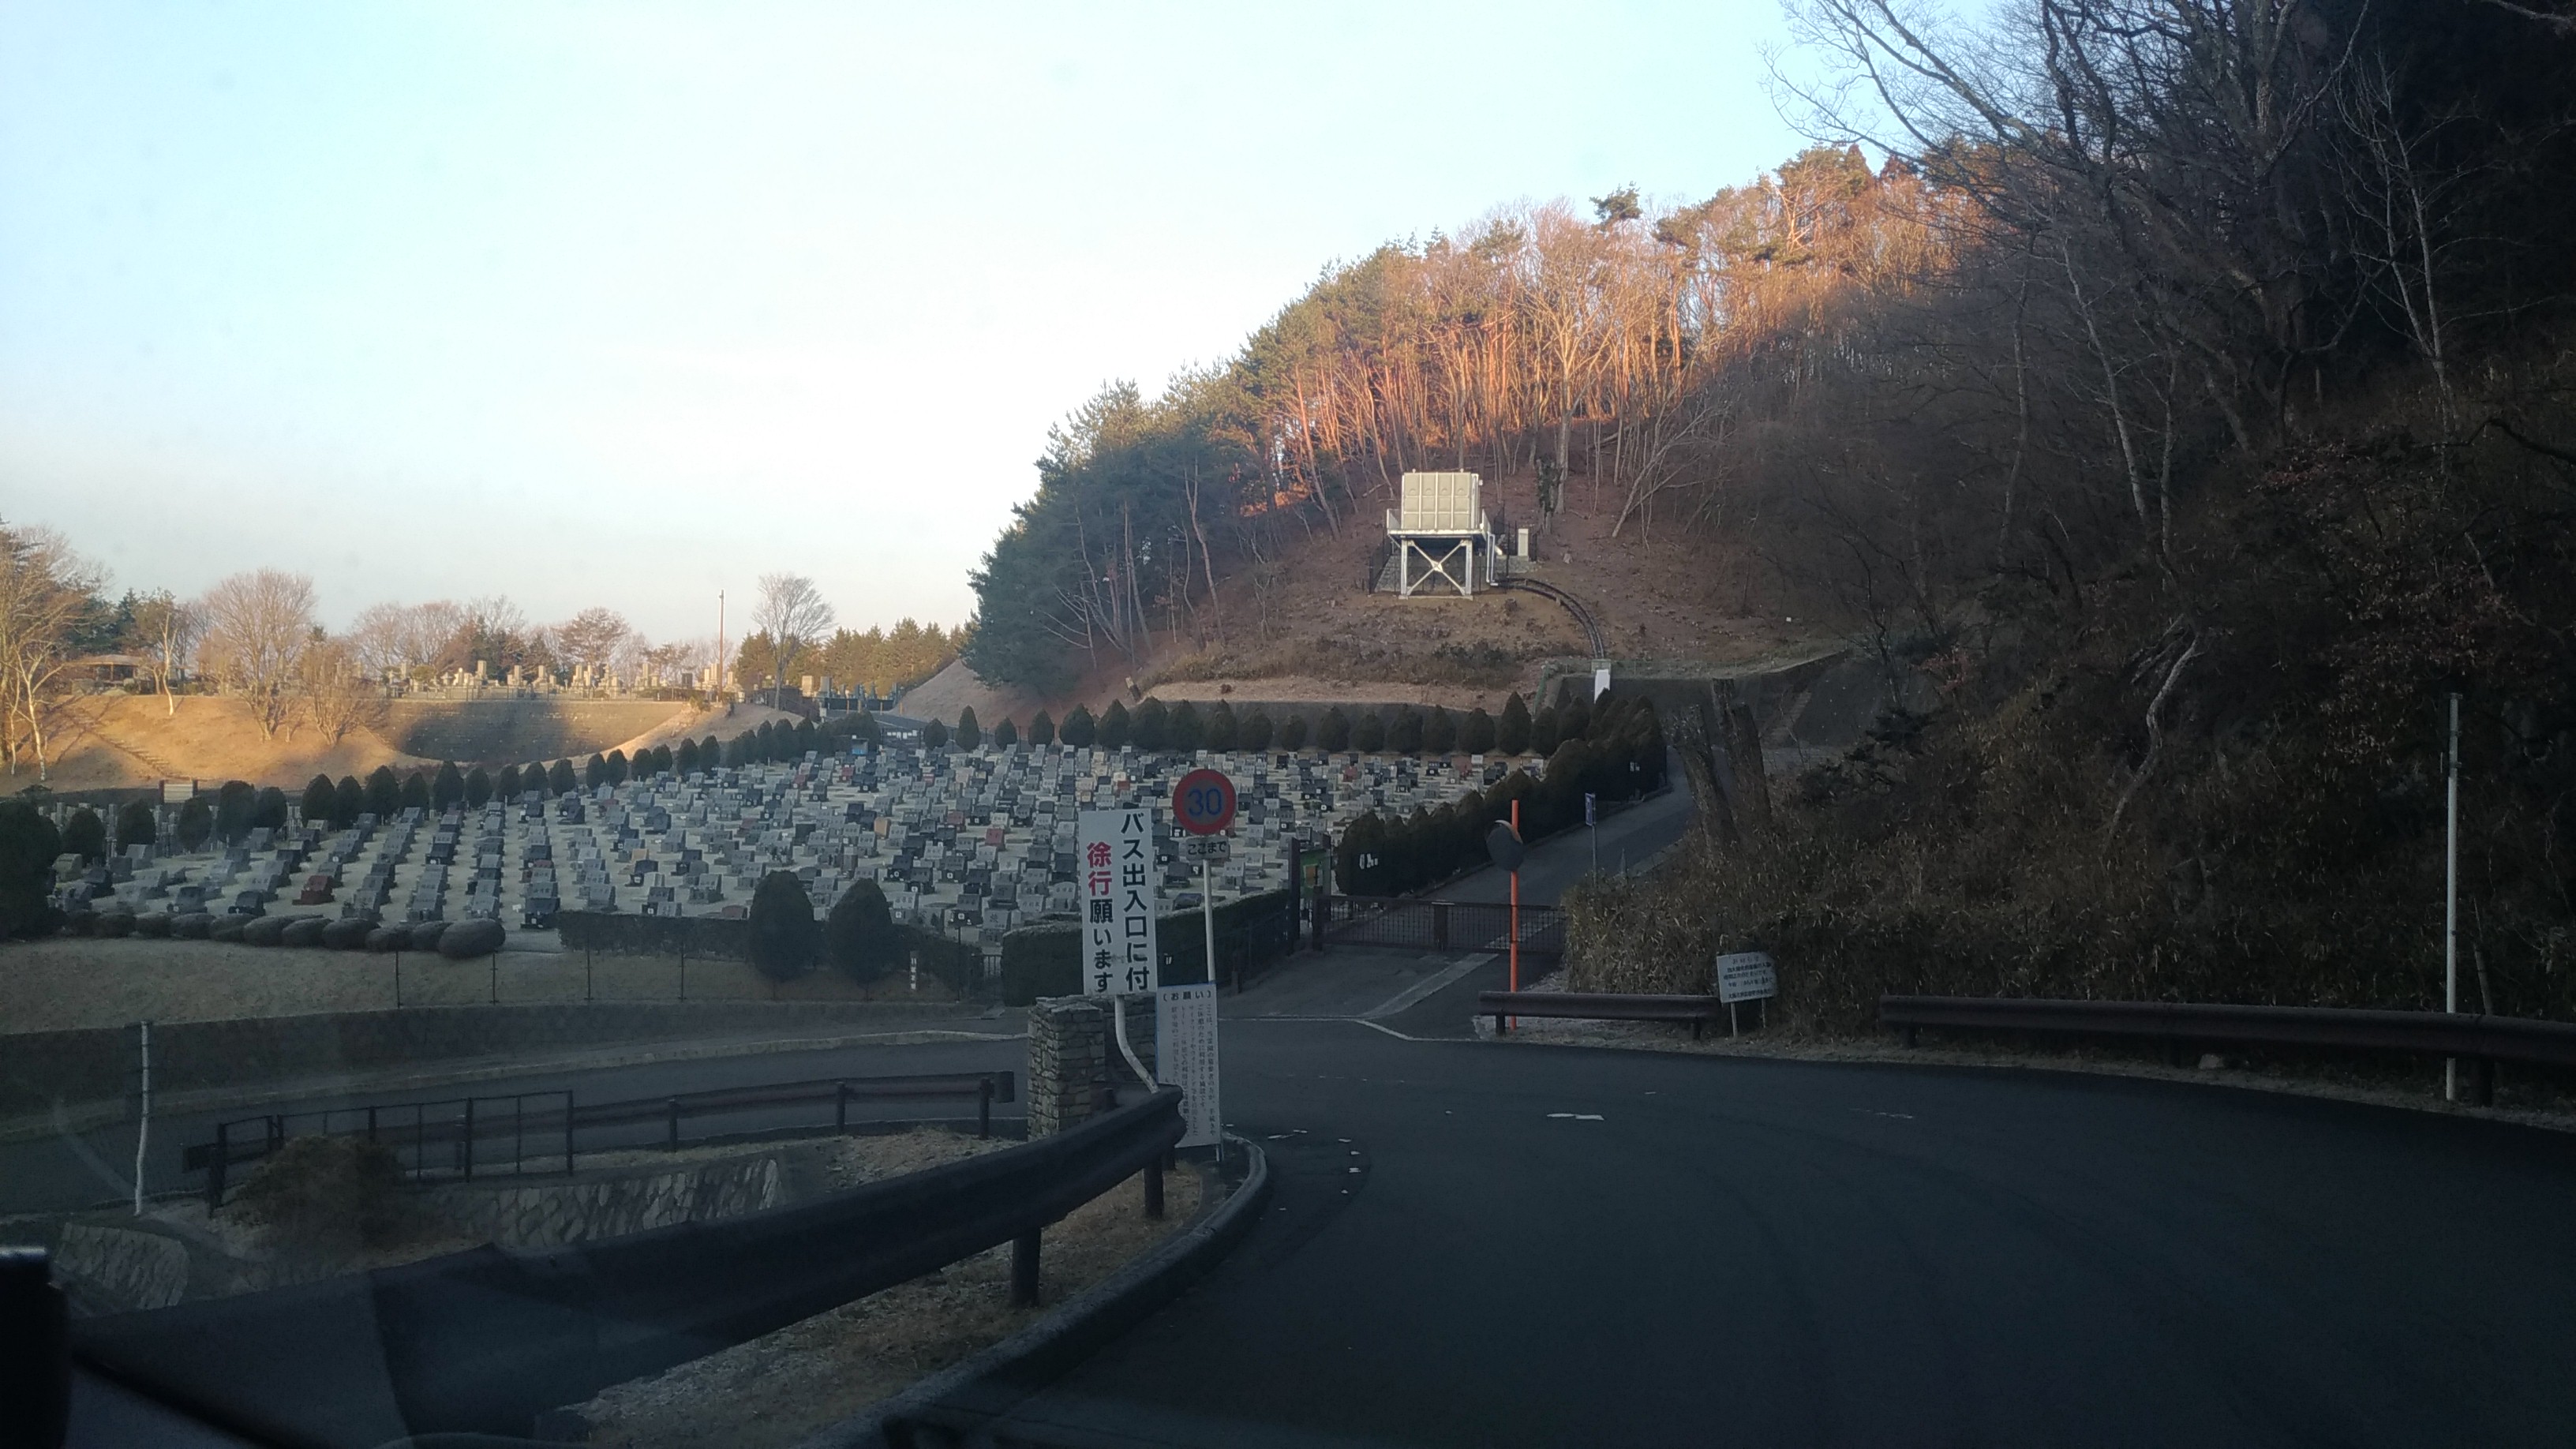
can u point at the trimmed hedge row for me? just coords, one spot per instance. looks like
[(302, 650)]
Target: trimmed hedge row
[(1046, 959)]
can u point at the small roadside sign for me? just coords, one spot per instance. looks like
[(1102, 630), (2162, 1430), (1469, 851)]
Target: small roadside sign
[(1185, 1057), (1206, 847), (1746, 976), (1591, 808), (1203, 802)]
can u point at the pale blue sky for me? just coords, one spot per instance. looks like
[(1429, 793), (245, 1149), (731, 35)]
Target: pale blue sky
[(623, 303)]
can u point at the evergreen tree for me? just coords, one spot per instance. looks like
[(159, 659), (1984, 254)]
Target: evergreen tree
[(688, 757), (353, 801), (1512, 737), (28, 844), (1292, 735), (415, 791), (1153, 726), (595, 774), (934, 735), (616, 762), (710, 754), (1573, 721), (808, 738), (970, 735), (1543, 734), (448, 787), (1335, 736), (1041, 729), (1223, 730), (196, 823), (384, 792), (1369, 735), (559, 778), (478, 789), (664, 761), (737, 751), (136, 824), (859, 936), (1117, 727), (506, 786), (1080, 729), (321, 800), (784, 934), (232, 811), (1477, 737), (1255, 732), (1405, 735), (268, 809), (85, 835), (1005, 734), (1183, 730), (1440, 731)]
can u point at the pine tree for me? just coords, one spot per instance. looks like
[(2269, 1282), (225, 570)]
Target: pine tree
[(1477, 737), (232, 811), (448, 787), (1255, 732), (1041, 729), (507, 785), (1513, 735), (321, 800), (1005, 734), (1369, 735), (1222, 729), (85, 835), (710, 754), (1183, 730), (1542, 737), (859, 935), (616, 763), (934, 735), (594, 774), (1153, 726), (196, 822), (1292, 735), (268, 809), (784, 934), (1116, 726), (353, 801), (1335, 736), (1080, 729), (970, 735), (384, 793), (688, 757), (1440, 731), (559, 778), (1405, 735), (478, 789)]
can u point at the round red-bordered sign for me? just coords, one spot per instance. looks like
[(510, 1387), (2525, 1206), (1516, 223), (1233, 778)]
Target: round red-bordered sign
[(1203, 802)]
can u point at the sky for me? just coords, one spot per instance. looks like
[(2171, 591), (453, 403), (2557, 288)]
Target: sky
[(628, 304)]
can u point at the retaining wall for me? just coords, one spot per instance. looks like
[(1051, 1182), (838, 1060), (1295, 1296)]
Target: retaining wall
[(515, 731), (40, 1068), (1074, 1061)]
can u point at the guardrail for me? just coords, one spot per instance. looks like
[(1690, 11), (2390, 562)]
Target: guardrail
[(440, 1139), (486, 1340), (1441, 925), (2481, 1040), (1699, 1011)]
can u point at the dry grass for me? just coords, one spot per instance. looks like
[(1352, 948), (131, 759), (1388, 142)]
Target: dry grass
[(785, 1386)]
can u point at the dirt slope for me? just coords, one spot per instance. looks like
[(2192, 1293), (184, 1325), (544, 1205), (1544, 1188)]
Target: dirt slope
[(110, 741)]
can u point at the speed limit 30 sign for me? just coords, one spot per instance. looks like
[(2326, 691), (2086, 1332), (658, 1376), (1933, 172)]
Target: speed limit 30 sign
[(1203, 802)]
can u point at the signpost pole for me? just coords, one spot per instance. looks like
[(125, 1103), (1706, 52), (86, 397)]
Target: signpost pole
[(1207, 910), (2451, 900), (1516, 906)]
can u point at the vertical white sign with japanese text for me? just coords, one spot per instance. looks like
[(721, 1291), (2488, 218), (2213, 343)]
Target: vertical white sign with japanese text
[(1185, 1057), (1118, 900)]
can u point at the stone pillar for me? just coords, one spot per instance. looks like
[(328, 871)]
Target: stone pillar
[(1074, 1062)]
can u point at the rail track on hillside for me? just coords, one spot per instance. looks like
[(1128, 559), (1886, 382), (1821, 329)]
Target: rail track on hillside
[(1598, 637)]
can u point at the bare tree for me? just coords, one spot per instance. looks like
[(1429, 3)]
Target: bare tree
[(165, 630), (594, 637), (258, 626), (44, 588), (794, 614), (339, 693)]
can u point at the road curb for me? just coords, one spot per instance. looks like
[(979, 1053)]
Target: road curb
[(993, 1382), (216, 1099)]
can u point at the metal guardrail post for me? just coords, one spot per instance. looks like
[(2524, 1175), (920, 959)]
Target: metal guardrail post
[(215, 1169), (840, 1106), (1154, 1189), (671, 1142), (984, 1109), (1024, 1269), (1440, 926), (465, 1149), (567, 1133)]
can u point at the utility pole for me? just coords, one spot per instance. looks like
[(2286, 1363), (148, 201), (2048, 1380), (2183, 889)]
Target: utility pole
[(720, 644), (2451, 898)]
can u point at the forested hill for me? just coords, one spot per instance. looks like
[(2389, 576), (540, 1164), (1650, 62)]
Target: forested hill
[(2186, 403)]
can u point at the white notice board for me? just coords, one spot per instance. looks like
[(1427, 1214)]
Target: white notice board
[(1746, 976), (1185, 1057), (1118, 896)]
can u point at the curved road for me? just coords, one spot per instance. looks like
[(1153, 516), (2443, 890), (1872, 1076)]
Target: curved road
[(1482, 1243)]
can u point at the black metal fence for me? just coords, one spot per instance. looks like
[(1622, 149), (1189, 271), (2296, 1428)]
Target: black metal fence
[(1442, 925), (534, 1133)]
